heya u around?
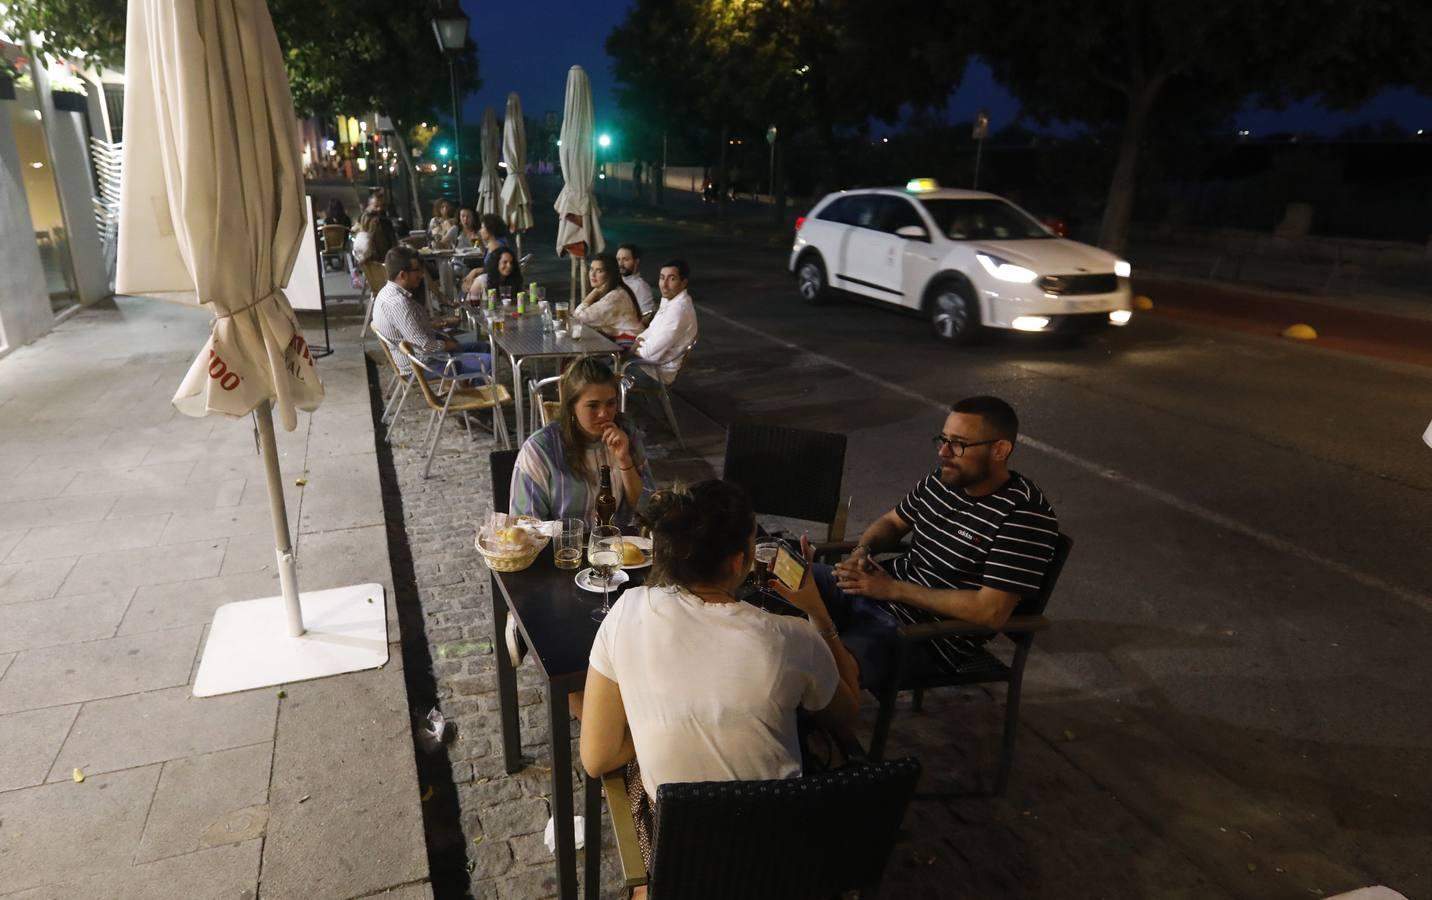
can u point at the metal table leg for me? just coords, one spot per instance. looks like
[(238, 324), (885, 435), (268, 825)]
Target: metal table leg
[(558, 717), (506, 686), (592, 838), (519, 399)]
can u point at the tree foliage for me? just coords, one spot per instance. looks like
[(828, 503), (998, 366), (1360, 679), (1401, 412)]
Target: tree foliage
[(692, 67), (1134, 67), (343, 56)]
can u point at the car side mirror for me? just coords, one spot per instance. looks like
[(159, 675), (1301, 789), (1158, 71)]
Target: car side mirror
[(913, 232)]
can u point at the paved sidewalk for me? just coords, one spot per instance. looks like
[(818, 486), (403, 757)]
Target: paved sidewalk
[(123, 525)]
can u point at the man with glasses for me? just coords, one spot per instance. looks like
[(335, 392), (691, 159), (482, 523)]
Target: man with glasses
[(983, 536), (399, 315)]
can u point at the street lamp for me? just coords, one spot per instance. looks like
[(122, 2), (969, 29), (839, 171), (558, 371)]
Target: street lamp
[(450, 26)]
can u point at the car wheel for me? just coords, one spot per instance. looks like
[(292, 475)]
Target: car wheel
[(953, 313), (810, 280)]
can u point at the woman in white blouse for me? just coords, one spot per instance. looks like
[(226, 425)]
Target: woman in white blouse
[(610, 307)]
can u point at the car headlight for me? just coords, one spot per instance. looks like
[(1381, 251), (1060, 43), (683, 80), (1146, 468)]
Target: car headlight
[(1004, 270), (1123, 269)]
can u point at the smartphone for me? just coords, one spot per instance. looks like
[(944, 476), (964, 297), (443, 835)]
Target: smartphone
[(789, 568)]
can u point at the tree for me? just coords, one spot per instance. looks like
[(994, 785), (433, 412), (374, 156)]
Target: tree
[(343, 56), (797, 64), (1124, 66)]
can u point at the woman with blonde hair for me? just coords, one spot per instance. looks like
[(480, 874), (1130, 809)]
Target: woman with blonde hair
[(557, 471)]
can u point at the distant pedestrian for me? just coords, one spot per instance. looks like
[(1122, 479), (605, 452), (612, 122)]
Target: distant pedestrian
[(636, 178)]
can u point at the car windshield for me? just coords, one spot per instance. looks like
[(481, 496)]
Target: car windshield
[(983, 220)]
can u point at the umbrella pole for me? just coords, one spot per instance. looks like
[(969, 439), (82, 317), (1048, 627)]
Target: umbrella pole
[(283, 544)]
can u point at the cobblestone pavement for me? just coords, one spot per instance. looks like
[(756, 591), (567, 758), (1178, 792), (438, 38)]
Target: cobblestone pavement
[(502, 816)]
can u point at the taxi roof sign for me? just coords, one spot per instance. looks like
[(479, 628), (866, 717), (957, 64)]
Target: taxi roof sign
[(920, 185)]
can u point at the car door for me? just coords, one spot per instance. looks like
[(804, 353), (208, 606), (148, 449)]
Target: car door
[(867, 263), (916, 258)]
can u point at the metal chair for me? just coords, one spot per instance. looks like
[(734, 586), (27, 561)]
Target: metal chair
[(335, 246), (807, 838), (792, 473), (983, 668), (455, 398), (544, 411), (395, 395), (375, 276), (626, 370)]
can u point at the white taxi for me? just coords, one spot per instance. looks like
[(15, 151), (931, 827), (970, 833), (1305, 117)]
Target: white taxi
[(964, 259)]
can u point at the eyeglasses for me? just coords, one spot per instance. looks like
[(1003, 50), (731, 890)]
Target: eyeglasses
[(957, 447)]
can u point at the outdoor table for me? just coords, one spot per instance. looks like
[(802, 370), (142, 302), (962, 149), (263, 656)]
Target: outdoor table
[(523, 339), (442, 260), (555, 618)]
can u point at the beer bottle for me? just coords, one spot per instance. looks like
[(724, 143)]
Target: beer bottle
[(606, 499)]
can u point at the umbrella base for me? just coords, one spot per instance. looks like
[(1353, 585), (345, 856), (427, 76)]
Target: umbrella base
[(248, 645)]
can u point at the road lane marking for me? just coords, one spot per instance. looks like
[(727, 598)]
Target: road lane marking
[(1188, 507)]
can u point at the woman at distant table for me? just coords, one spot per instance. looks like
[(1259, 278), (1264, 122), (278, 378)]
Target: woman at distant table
[(610, 306)]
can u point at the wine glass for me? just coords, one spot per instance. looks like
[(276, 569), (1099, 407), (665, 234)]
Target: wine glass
[(604, 552)]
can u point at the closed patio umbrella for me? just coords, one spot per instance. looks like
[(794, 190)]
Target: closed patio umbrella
[(579, 233), (212, 214), (489, 187), (516, 198)]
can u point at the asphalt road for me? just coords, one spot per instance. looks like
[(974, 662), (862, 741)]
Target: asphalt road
[(1239, 654)]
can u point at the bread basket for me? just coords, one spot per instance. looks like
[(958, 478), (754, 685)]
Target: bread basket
[(510, 556)]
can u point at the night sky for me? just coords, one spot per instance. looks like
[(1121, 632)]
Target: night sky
[(528, 47)]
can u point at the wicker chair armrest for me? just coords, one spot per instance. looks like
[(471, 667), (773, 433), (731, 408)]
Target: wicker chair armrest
[(832, 550), (623, 828), (929, 631)]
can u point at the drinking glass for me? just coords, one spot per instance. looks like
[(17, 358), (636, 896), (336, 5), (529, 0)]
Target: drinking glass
[(541, 293), (765, 560), (568, 543), (576, 328), (504, 294), (604, 552)]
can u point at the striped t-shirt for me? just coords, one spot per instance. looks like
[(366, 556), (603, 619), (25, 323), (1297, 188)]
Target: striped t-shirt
[(1004, 540)]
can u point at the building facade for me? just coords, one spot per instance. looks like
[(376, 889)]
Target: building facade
[(60, 127)]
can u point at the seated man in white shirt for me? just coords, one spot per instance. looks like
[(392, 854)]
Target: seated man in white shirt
[(629, 264), (672, 330), (399, 315)]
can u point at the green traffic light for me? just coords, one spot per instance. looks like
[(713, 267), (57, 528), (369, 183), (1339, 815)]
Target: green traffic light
[(605, 141), (443, 152)]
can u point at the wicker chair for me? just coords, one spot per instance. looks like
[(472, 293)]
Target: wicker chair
[(376, 278), (335, 246), (792, 473), (808, 838), (455, 396)]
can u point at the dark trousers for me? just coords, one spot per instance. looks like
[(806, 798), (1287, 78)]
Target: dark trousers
[(867, 629)]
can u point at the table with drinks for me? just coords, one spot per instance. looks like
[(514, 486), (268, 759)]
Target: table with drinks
[(558, 606), (524, 327)]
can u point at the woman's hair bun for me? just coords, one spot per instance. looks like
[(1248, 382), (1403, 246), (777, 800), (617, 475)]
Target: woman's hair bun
[(674, 518)]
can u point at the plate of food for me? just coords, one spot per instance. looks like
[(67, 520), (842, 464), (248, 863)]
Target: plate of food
[(636, 552)]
